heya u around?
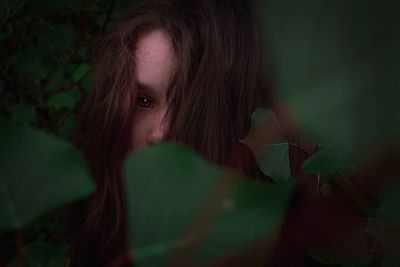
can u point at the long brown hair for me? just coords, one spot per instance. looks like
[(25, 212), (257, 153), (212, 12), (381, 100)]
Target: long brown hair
[(219, 81)]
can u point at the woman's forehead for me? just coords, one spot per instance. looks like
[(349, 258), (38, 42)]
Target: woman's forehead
[(154, 59)]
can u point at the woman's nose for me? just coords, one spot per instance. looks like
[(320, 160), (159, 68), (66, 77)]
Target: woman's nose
[(158, 131), (156, 135)]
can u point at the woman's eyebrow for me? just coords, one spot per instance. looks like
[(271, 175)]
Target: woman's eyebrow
[(147, 89)]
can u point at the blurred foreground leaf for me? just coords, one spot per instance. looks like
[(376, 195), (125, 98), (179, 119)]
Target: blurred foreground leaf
[(38, 172), (181, 209)]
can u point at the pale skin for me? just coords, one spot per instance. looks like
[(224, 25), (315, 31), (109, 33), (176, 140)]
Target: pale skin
[(154, 65)]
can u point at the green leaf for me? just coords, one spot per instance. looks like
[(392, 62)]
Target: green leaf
[(38, 172), (156, 213), (168, 207), (275, 162), (80, 72), (326, 162), (252, 213), (61, 100), (23, 113)]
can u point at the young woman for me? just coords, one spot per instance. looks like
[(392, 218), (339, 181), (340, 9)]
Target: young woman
[(187, 71)]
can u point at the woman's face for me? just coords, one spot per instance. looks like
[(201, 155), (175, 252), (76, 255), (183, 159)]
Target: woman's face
[(154, 66)]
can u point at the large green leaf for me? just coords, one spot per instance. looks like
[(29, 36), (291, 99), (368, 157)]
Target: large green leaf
[(251, 214), (178, 202), (38, 172), (165, 187)]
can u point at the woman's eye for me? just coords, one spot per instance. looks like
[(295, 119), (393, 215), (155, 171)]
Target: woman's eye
[(144, 101)]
